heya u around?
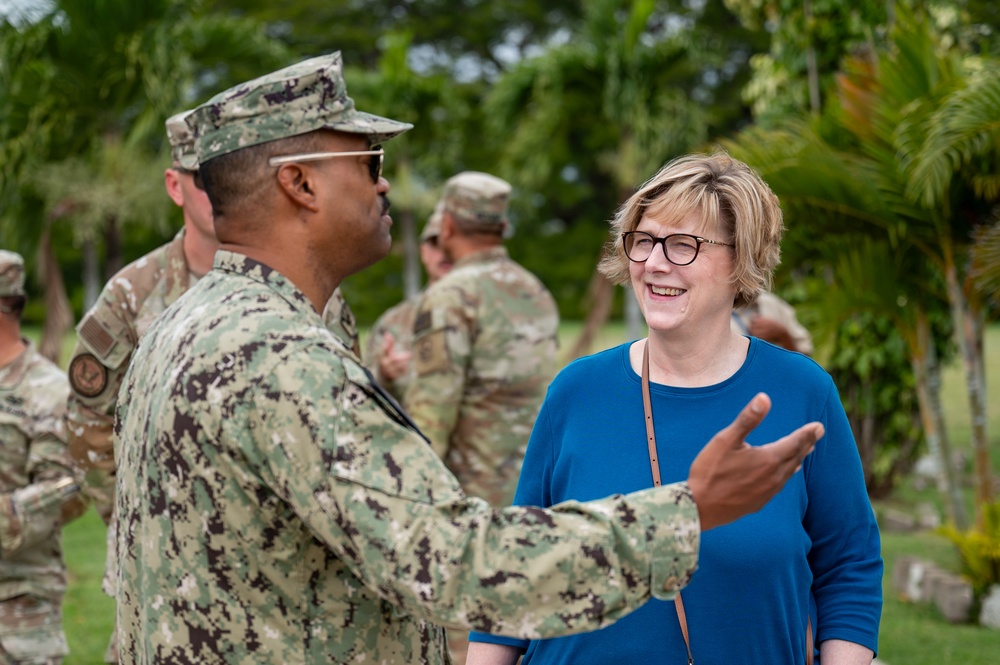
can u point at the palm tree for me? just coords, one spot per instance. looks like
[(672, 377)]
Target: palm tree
[(95, 80), (904, 155), (831, 203)]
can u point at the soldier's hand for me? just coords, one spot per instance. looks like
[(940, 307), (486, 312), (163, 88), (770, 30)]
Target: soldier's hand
[(731, 478), (392, 364)]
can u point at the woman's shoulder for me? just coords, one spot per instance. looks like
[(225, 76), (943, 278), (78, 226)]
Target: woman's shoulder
[(598, 366), (776, 360)]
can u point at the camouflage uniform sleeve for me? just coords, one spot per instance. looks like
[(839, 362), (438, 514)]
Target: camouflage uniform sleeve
[(442, 343), (370, 488), (32, 513), (105, 342)]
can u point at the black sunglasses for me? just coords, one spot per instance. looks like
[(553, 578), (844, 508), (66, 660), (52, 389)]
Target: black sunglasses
[(374, 165)]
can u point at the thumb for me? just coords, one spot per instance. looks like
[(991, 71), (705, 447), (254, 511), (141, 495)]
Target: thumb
[(751, 416)]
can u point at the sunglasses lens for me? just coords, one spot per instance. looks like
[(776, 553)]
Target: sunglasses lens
[(375, 165)]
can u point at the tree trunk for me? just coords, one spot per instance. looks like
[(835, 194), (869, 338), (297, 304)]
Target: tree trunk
[(928, 379), (602, 294), (411, 255), (91, 274), (58, 315), (114, 259), (965, 331), (812, 70)]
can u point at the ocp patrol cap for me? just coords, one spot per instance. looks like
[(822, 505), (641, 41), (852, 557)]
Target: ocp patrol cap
[(181, 139), (11, 273), (477, 197)]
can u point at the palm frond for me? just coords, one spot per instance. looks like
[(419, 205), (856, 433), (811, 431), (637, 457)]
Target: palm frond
[(965, 127)]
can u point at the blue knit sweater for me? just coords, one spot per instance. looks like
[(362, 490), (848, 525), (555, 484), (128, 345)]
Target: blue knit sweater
[(813, 549)]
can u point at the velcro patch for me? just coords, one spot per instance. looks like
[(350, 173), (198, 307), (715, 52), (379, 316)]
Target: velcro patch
[(422, 322), (87, 375), (430, 353), (97, 336)]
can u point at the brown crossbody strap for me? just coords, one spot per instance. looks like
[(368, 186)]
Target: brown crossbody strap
[(654, 464)]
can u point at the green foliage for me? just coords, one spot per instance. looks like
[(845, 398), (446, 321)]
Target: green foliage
[(979, 549), (986, 264), (871, 367), (84, 91)]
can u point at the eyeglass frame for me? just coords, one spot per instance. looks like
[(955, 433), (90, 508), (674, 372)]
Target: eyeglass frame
[(195, 176), (662, 242), (374, 173)]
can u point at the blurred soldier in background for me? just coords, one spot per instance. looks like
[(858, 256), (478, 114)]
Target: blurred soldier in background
[(389, 347), (484, 344), (773, 320), (485, 341), (38, 490)]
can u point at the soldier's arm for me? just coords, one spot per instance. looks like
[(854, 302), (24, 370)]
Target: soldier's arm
[(374, 352), (96, 370), (32, 513), (371, 489), (441, 352)]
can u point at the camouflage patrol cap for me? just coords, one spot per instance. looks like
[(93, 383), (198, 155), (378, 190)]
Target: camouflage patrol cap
[(295, 100), (477, 197), (432, 228), (11, 273), (181, 142)]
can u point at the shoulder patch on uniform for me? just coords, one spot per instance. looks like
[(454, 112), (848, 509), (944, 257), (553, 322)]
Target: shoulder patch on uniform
[(422, 322), (430, 353), (87, 375), (97, 336)]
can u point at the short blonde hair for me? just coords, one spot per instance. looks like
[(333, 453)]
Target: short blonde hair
[(728, 195)]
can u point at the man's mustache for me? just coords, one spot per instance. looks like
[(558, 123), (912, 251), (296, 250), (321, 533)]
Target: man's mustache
[(386, 204)]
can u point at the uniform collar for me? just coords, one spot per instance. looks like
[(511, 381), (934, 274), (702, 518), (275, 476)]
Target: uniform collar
[(483, 256), (12, 373), (177, 275), (240, 264)]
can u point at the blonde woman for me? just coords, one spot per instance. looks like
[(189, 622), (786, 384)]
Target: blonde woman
[(698, 239)]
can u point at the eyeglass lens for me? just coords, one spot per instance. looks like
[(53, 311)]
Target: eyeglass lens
[(679, 248), (375, 164)]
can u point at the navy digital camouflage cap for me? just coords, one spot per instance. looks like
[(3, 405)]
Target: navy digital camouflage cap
[(181, 139), (295, 100)]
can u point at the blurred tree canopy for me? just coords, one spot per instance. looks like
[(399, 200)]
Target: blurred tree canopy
[(574, 102)]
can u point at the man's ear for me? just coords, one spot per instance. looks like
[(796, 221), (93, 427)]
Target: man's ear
[(299, 184), (448, 229), (173, 184)]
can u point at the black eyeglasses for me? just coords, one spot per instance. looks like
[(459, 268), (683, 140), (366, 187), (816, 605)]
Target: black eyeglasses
[(195, 176), (681, 249), (374, 165)]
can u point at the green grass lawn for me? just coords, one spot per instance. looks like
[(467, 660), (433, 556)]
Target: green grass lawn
[(910, 635)]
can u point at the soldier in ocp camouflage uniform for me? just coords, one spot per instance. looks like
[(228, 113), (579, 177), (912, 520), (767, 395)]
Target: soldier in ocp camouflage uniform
[(485, 341), (38, 490), (109, 333), (388, 349), (276, 505)]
